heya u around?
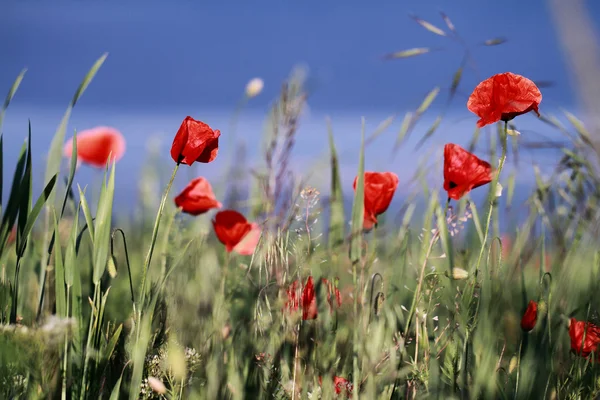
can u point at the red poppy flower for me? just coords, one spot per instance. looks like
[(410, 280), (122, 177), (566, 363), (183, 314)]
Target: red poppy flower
[(343, 385), (379, 191), (195, 141), (580, 345), (503, 97), (197, 197), (235, 232), (331, 293), (530, 317), (463, 171), (94, 146), (309, 300)]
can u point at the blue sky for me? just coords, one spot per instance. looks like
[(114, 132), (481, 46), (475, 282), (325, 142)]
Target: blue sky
[(177, 58)]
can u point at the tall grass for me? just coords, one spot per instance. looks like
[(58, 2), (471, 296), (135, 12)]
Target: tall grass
[(93, 307)]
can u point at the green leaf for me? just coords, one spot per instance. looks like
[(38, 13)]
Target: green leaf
[(71, 250), (103, 226), (358, 210), (445, 237), (59, 272), (24, 199), (12, 207), (417, 51), (112, 343), (37, 209), (72, 170), (86, 213), (114, 395), (336, 201), (11, 93), (429, 26)]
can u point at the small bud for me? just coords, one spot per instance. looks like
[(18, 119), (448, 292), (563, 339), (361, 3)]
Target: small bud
[(225, 331), (498, 189), (112, 267), (157, 385), (512, 365), (513, 132), (459, 274), (254, 87)]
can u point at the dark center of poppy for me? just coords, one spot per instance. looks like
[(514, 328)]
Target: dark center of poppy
[(453, 185)]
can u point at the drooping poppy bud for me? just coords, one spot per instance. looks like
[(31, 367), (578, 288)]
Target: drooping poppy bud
[(195, 141), (503, 97), (530, 316), (463, 171)]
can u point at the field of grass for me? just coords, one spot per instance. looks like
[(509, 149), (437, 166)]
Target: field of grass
[(155, 306)]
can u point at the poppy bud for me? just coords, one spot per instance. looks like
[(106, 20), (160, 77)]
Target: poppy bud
[(498, 190), (530, 317), (459, 274), (513, 364), (157, 385), (254, 87)]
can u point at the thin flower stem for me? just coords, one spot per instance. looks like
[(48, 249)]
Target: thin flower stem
[(153, 240), (492, 196), (518, 368), (296, 357)]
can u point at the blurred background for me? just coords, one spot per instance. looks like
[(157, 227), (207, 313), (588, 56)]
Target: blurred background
[(171, 59)]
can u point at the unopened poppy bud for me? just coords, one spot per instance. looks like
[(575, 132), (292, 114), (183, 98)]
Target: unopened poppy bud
[(459, 274), (225, 331), (157, 385), (254, 87), (542, 309), (498, 190), (512, 365), (112, 267), (529, 317)]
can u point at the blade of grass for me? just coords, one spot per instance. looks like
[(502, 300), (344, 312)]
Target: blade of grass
[(11, 93), (59, 272), (336, 201), (103, 226), (24, 199)]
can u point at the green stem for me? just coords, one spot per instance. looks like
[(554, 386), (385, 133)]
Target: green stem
[(66, 354), (153, 242), (492, 196), (355, 369)]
